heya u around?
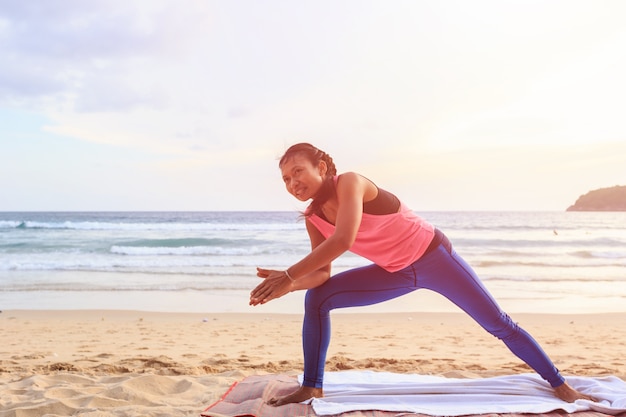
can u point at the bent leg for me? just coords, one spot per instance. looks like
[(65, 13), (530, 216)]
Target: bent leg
[(448, 274), (357, 287)]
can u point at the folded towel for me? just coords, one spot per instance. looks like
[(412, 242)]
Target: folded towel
[(525, 393)]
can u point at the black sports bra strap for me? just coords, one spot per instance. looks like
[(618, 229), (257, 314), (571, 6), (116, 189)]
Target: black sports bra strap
[(384, 203)]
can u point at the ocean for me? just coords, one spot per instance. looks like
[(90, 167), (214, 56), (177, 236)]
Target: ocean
[(543, 262)]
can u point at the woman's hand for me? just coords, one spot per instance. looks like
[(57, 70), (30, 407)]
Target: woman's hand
[(275, 284)]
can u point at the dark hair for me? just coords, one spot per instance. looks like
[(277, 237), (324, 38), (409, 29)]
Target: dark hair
[(314, 155)]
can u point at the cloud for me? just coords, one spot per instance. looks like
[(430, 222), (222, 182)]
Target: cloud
[(231, 84), (90, 56)]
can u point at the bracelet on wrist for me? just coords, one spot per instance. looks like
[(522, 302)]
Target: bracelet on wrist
[(289, 276)]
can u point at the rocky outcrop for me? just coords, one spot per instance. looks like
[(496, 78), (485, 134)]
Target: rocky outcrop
[(602, 199)]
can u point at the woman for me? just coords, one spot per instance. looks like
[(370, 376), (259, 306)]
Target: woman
[(349, 212)]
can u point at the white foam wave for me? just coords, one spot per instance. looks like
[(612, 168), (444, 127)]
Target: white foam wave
[(70, 225), (8, 224), (187, 264), (183, 250)]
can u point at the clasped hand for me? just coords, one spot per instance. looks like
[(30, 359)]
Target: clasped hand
[(275, 284)]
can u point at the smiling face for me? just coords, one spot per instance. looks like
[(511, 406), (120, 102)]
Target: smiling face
[(303, 179)]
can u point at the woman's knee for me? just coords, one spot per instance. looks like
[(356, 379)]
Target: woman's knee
[(502, 327), (313, 299)]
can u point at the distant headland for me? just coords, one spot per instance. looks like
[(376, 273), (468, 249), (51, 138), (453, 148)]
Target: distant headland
[(602, 199)]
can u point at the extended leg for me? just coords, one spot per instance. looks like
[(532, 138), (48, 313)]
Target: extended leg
[(448, 274)]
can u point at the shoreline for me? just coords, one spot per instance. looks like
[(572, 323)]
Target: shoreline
[(125, 363), (236, 302)]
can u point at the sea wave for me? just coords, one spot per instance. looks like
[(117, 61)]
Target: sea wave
[(117, 286), (591, 254), (193, 247), (159, 265), (9, 224), (132, 226), (545, 264), (186, 250), (512, 243)]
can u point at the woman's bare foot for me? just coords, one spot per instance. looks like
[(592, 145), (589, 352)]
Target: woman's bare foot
[(301, 394), (566, 393)]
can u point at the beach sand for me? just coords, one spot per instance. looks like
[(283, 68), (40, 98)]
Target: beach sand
[(130, 363)]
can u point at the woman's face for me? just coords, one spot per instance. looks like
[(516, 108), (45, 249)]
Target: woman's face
[(303, 179)]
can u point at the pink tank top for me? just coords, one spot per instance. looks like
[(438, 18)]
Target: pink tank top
[(391, 241)]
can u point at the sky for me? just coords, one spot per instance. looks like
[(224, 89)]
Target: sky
[(169, 105)]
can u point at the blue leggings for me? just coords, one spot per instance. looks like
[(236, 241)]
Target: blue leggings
[(440, 270)]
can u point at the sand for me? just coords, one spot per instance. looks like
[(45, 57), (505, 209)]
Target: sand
[(129, 363)]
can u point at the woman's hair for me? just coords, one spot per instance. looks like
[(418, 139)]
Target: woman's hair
[(314, 155)]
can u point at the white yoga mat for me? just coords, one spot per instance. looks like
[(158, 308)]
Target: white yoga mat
[(439, 396)]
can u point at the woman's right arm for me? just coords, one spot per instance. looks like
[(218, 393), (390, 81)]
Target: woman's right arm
[(276, 283), (319, 276)]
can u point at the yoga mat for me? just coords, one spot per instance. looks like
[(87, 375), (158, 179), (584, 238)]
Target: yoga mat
[(248, 397)]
